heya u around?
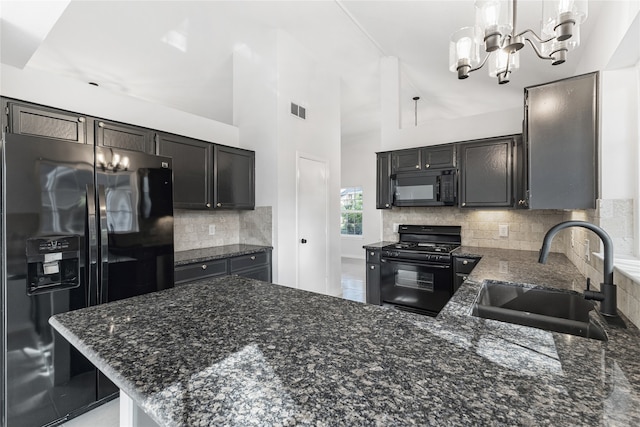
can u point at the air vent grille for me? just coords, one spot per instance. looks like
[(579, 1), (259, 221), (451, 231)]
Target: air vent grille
[(299, 111)]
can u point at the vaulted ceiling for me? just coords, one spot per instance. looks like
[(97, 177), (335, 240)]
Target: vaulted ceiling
[(179, 53)]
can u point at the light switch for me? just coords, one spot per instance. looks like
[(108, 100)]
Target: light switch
[(503, 230), (212, 229)]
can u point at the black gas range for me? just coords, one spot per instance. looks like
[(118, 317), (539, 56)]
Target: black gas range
[(416, 272)]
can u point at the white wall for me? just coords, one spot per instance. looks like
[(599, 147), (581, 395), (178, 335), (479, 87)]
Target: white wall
[(619, 137), (272, 70), (358, 169), (67, 94)]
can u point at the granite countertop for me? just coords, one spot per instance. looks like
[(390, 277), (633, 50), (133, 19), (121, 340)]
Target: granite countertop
[(377, 245), (254, 353), (216, 252)]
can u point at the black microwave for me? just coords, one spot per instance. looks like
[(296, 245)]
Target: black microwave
[(434, 187)]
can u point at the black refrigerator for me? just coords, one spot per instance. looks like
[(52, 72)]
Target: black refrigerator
[(81, 225)]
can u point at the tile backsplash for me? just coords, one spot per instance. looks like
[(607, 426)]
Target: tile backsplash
[(200, 229), (526, 228)]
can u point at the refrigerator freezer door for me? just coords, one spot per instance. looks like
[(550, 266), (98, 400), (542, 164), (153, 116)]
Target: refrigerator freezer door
[(44, 204), (135, 201)]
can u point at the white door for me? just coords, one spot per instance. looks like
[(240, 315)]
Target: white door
[(312, 225)]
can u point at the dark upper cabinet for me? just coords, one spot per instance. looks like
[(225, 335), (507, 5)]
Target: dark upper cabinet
[(118, 135), (486, 172), (383, 179), (192, 170), (561, 139), (439, 156), (233, 178), (46, 122)]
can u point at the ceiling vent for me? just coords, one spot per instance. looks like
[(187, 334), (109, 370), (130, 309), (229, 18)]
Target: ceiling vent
[(298, 111)]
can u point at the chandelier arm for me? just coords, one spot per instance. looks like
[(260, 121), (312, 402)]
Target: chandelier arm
[(535, 48), (484, 61), (538, 38)]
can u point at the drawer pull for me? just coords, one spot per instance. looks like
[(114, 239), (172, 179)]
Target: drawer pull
[(204, 266), (465, 262), (372, 253), (373, 267), (253, 258)]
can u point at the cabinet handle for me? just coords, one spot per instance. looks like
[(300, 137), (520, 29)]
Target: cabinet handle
[(101, 124), (218, 204), (204, 266), (386, 205), (521, 202), (464, 204), (373, 267), (417, 166), (208, 205), (465, 262), (253, 258), (81, 119), (372, 253), (427, 165), (464, 277)]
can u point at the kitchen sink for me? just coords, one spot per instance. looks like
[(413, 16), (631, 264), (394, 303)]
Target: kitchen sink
[(548, 309)]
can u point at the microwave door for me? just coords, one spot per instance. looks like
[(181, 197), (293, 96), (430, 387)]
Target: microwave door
[(416, 190)]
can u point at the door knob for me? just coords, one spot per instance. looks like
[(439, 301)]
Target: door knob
[(303, 241)]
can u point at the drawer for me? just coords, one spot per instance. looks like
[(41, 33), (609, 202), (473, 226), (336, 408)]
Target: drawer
[(464, 264), (248, 261), (373, 255), (186, 273), (259, 273)]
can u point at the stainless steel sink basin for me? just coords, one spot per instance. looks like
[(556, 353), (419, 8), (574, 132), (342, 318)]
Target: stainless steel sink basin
[(541, 308)]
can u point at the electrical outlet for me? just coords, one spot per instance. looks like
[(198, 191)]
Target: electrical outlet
[(587, 251), (395, 227), (503, 230), (212, 229), (573, 241)]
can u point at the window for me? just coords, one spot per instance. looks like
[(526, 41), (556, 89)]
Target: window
[(351, 211)]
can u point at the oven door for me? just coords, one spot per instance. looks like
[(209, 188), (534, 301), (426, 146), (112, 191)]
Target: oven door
[(420, 286)]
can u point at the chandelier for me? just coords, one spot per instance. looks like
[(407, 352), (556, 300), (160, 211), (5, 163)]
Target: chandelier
[(495, 31)]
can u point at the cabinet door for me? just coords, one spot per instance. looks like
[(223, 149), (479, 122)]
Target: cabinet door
[(561, 131), (197, 271), (438, 156), (486, 173), (45, 122), (383, 181), (373, 284), (117, 135), (192, 165), (234, 178), (406, 160)]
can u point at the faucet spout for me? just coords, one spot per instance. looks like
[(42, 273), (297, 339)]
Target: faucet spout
[(607, 294)]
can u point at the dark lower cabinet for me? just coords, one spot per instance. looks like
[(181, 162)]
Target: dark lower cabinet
[(255, 266), (462, 266), (192, 166), (234, 178), (118, 135), (46, 122), (201, 270), (373, 277)]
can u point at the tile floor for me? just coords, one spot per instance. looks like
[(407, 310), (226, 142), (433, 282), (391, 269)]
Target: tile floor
[(353, 288)]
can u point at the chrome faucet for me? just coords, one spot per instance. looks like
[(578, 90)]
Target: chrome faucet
[(607, 295)]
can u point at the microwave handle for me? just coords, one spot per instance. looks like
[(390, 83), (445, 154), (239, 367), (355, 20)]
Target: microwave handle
[(438, 184)]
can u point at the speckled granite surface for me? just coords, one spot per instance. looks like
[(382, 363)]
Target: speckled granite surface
[(216, 252), (253, 353), (377, 245)]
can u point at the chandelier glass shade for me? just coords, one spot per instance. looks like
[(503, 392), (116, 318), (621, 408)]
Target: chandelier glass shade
[(495, 33)]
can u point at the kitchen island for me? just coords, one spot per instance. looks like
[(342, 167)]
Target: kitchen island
[(236, 351)]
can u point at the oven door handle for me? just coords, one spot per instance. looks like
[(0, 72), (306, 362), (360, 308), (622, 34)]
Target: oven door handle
[(417, 264)]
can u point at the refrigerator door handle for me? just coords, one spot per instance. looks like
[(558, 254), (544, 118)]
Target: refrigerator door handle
[(104, 246), (92, 246)]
